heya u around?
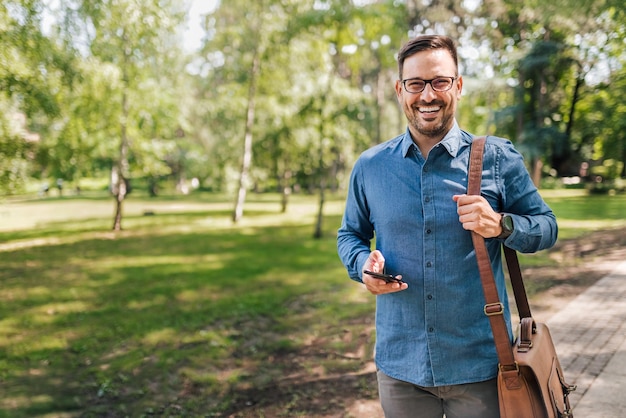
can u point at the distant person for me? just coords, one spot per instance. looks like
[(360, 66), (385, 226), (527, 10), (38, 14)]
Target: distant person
[(435, 352), (45, 188), (60, 186)]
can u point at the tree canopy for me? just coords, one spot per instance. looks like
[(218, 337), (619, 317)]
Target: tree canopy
[(284, 94)]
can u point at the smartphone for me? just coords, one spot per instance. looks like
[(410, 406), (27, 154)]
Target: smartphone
[(388, 278)]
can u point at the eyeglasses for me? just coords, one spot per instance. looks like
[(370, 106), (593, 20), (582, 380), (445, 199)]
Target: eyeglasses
[(417, 85)]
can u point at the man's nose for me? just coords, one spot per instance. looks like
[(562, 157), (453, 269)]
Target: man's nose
[(428, 93)]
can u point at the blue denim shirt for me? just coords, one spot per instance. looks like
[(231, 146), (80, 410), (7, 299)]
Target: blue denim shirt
[(435, 332)]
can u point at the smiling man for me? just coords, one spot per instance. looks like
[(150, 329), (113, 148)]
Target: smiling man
[(435, 352)]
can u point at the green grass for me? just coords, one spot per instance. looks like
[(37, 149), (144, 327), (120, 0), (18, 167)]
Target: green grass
[(578, 212), (176, 313), (182, 311)]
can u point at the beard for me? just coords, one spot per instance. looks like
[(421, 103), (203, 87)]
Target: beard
[(430, 130)]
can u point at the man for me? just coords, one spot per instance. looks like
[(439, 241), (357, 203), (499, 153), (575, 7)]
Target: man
[(435, 352)]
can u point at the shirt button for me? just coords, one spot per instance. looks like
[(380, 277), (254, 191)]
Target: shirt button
[(431, 329), (427, 199), (428, 231), (429, 264), (430, 297), (425, 169)]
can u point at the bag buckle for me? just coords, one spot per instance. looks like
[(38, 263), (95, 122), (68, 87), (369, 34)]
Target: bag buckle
[(509, 368), (524, 346), (492, 309)]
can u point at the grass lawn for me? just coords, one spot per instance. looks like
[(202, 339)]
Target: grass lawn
[(182, 312)]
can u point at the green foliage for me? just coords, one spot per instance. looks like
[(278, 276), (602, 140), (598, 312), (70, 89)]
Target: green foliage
[(14, 151), (535, 72)]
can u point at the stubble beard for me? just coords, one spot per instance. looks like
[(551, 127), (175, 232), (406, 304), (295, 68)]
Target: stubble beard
[(430, 131)]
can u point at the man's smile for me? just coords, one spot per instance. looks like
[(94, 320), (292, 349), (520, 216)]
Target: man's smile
[(428, 109)]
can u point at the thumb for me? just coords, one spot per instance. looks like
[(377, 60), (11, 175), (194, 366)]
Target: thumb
[(377, 260)]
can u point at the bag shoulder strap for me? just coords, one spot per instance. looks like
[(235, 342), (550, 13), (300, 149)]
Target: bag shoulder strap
[(493, 307), (517, 283), (512, 261)]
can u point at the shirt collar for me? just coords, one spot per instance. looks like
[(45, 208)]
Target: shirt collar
[(451, 142)]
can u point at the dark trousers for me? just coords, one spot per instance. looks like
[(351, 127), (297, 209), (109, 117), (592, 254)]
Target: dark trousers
[(405, 400)]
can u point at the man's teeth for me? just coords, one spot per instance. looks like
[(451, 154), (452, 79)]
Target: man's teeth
[(429, 109)]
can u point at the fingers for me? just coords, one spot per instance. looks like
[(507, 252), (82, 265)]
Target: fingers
[(378, 286), (376, 263), (476, 214)]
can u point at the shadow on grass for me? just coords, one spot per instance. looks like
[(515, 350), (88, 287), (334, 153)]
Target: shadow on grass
[(170, 323)]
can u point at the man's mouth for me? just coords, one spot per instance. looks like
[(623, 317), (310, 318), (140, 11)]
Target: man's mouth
[(428, 109)]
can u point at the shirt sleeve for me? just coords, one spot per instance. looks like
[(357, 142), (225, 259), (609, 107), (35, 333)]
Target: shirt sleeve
[(535, 226), (356, 232)]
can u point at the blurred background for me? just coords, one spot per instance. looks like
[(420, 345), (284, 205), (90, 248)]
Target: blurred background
[(193, 108), (282, 95)]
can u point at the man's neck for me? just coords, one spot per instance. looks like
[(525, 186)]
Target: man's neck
[(426, 143)]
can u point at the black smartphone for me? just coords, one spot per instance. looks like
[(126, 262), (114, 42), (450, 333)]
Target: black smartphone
[(388, 278)]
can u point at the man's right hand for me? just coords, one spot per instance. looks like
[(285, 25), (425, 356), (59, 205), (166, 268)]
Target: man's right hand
[(376, 263)]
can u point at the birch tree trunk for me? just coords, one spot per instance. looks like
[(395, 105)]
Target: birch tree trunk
[(246, 163), (120, 189)]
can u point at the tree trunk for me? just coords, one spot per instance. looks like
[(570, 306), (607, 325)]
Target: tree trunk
[(537, 167), (121, 185), (286, 190), (247, 143), (520, 111), (570, 123), (381, 88), (120, 191), (623, 173), (562, 162), (321, 171), (320, 212)]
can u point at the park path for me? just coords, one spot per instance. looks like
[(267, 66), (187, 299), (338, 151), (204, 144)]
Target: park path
[(590, 338)]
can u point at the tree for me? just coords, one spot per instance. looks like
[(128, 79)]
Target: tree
[(34, 72), (129, 35), (253, 76), (550, 75)]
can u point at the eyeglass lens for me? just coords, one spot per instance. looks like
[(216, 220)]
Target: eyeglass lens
[(416, 85)]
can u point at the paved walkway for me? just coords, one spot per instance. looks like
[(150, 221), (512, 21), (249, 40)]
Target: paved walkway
[(590, 338)]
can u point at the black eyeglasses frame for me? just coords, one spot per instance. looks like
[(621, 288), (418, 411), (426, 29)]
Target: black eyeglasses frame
[(426, 82)]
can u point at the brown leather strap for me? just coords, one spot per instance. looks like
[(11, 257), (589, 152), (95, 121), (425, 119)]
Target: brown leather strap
[(512, 261), (493, 307), (519, 291)]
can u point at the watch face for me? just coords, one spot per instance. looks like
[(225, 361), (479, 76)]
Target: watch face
[(507, 223)]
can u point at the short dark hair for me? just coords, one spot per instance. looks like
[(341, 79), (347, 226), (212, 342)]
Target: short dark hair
[(423, 43)]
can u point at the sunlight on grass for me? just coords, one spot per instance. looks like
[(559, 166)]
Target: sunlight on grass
[(575, 228), (203, 294), (180, 261), (166, 335), (139, 305), (44, 343), (185, 305), (61, 308), (13, 402)]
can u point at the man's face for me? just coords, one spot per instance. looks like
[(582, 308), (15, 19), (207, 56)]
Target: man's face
[(430, 114)]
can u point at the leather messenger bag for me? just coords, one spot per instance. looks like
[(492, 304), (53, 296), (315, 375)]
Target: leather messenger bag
[(530, 379)]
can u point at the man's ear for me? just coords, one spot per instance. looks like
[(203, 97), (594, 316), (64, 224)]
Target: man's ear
[(399, 91)]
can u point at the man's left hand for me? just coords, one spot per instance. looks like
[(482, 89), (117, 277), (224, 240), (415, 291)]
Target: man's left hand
[(476, 214)]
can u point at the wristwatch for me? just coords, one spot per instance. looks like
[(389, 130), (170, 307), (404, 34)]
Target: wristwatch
[(506, 222)]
